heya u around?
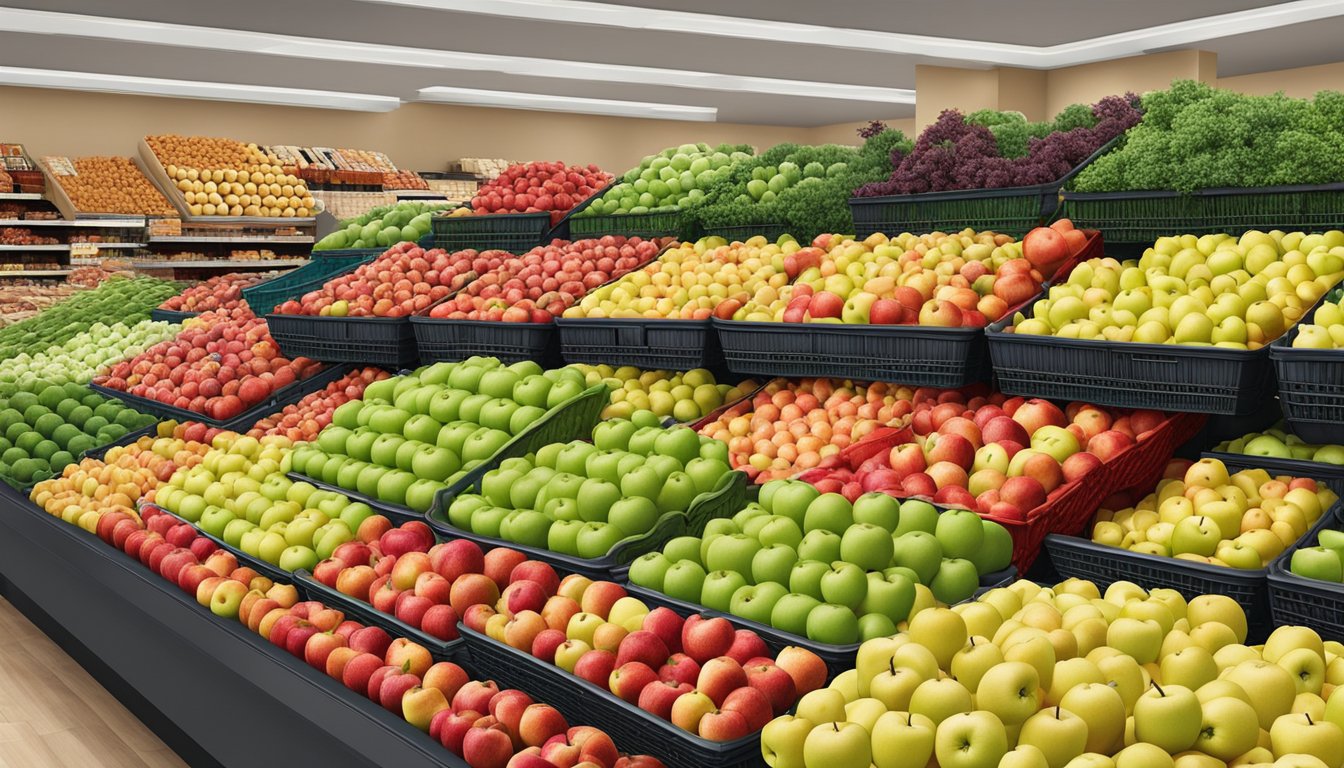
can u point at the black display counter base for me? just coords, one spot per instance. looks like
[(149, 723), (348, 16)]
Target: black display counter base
[(217, 694)]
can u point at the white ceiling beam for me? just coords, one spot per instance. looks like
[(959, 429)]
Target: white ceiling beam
[(548, 103)]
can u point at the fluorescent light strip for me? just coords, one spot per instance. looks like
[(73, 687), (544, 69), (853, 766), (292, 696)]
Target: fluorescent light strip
[(980, 52), (548, 103), (237, 41), (190, 89)]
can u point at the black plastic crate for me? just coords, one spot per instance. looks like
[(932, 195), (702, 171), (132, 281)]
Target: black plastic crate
[(1298, 600), (647, 225), (98, 453), (513, 232), (652, 344), (1168, 377), (636, 730), (724, 501), (439, 339), (170, 316), (1009, 210), (385, 341), (1311, 387), (441, 650), (266, 296), (243, 421), (910, 354), (1144, 216)]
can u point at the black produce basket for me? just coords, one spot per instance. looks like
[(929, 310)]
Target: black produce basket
[(1298, 600), (243, 421), (266, 296), (385, 341), (1311, 387), (652, 344), (911, 354), (442, 650), (170, 316), (512, 232), (1144, 216), (1009, 210), (838, 658), (636, 730), (647, 225), (724, 501), (98, 453), (1330, 474), (440, 339)]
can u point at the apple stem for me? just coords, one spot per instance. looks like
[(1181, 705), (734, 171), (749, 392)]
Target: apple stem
[(891, 664), (1308, 715), (836, 726), (1160, 692), (1057, 712)]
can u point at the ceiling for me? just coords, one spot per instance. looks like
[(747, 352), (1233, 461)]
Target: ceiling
[(779, 62)]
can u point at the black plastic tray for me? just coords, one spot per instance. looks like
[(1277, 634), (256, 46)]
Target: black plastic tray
[(838, 658), (582, 702), (386, 341), (289, 394), (438, 339), (1009, 210), (1298, 600), (661, 344), (513, 232), (911, 354), (660, 224), (1311, 386), (723, 501), (170, 316), (1145, 215), (442, 650)]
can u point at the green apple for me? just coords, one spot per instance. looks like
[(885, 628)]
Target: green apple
[(649, 570), (573, 457), (791, 611), (681, 443), (523, 492), (489, 520), (756, 602), (1060, 734), (454, 435), (532, 391), (805, 577), (773, 563), (790, 498), (889, 595), (614, 434), (563, 537), (832, 624), (955, 581), (821, 545), (828, 512), (1170, 717), (678, 492), (902, 740), (706, 473), (295, 557), (867, 546), (597, 539), (684, 548), (214, 520), (873, 625), (970, 740), (844, 584), (1196, 535), (734, 552), (643, 440), (916, 515), (598, 497), (877, 509), (483, 443), (919, 551), (782, 741), (838, 744), (642, 481), (684, 581), (1321, 563), (779, 529), (996, 551), (1010, 691), (719, 587), (634, 515)]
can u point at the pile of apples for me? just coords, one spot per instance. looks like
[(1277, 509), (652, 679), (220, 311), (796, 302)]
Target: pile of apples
[(302, 421), (540, 186), (1326, 329), (686, 396), (965, 279), (1201, 513), (85, 354), (819, 567), (698, 673), (998, 455), (218, 366), (221, 292), (404, 280), (542, 283), (583, 498), (259, 510), (413, 436), (1214, 290), (695, 281), (1071, 677), (794, 425), (1278, 443)]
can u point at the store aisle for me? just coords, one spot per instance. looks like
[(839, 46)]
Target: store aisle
[(54, 715)]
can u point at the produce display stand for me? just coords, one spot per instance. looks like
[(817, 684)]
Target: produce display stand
[(269, 570), (442, 650), (737, 233), (170, 316), (277, 400), (157, 650), (1311, 385), (581, 701), (652, 344), (266, 296), (676, 223), (723, 501), (1103, 565), (512, 232), (385, 341), (911, 354), (1308, 602), (1144, 216), (1009, 210)]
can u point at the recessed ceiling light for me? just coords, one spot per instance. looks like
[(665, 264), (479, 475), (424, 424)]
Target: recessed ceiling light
[(191, 89), (235, 41), (549, 103)]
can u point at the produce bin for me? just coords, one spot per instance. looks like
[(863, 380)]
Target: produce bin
[(512, 232), (1009, 210), (1331, 474), (1311, 387), (243, 421), (1298, 600), (662, 224), (651, 344), (98, 453), (385, 341), (269, 570), (724, 501), (1143, 216), (442, 650), (636, 730), (266, 296), (170, 316), (438, 339)]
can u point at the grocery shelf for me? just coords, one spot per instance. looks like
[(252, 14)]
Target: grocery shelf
[(52, 247), (20, 196), (220, 264), (206, 239), (109, 246), (10, 273), (157, 650), (140, 222)]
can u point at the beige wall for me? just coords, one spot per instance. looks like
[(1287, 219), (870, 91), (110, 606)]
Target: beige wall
[(417, 136), (1300, 83), (847, 133), (1088, 82), (941, 88)]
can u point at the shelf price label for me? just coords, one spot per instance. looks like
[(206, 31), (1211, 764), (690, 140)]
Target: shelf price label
[(83, 250)]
